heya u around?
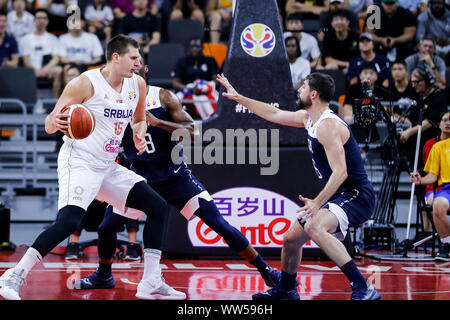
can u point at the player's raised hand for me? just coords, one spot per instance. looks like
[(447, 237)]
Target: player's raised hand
[(231, 92), (140, 143)]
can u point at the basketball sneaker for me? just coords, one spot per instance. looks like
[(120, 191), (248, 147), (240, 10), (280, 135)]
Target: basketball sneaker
[(73, 251), (94, 281), (444, 251), (134, 252), (277, 293), (10, 281), (272, 277), (368, 293), (155, 287)]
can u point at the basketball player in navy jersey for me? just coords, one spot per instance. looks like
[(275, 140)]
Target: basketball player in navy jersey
[(347, 198), (87, 167), (175, 183)]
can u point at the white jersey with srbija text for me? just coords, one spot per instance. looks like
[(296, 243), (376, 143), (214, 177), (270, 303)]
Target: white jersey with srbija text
[(113, 111)]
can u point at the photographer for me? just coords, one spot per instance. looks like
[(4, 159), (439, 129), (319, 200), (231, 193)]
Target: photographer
[(433, 102)]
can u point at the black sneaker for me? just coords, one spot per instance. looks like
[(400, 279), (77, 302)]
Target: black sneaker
[(444, 251), (277, 293), (272, 277), (134, 252), (73, 251)]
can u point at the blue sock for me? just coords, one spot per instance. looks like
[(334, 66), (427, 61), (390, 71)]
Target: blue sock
[(104, 270), (354, 276), (287, 282), (259, 263)]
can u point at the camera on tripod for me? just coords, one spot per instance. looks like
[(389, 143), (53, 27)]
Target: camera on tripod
[(367, 110)]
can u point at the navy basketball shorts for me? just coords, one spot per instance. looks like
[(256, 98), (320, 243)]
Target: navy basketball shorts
[(352, 207), (182, 190)]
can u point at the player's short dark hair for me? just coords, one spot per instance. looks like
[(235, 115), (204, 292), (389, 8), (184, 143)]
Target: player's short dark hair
[(119, 44), (3, 13), (323, 84)]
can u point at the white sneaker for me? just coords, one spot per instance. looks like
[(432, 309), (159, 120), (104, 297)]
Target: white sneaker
[(10, 281), (155, 287)]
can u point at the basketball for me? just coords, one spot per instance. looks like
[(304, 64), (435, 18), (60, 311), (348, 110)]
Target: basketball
[(81, 121)]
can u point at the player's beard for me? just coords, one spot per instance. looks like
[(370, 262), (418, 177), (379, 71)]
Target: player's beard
[(304, 104)]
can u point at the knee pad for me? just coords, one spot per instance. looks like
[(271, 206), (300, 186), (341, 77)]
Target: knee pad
[(112, 222)]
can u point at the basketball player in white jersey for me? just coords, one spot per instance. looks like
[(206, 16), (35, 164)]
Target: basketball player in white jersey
[(87, 168)]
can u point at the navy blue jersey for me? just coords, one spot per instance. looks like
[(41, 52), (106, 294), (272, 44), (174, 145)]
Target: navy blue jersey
[(356, 173), (156, 160)]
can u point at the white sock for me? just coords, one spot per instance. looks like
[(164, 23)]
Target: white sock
[(446, 240), (28, 261), (152, 257)]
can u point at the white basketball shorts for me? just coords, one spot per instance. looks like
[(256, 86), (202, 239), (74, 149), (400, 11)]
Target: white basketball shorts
[(81, 180)]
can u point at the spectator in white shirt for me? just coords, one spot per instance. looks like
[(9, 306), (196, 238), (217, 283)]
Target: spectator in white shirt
[(20, 22), (308, 44), (300, 67), (99, 17), (80, 47), (40, 51)]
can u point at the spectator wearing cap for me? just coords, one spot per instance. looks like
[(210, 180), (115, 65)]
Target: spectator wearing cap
[(434, 22), (368, 72), (426, 54), (340, 44), (310, 9), (309, 46), (9, 50), (396, 35), (338, 5), (367, 54)]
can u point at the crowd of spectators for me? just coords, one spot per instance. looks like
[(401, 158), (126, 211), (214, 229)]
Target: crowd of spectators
[(42, 35)]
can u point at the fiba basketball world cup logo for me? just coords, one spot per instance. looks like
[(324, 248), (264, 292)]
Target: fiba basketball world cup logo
[(257, 40)]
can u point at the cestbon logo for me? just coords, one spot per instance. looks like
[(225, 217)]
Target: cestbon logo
[(111, 145), (257, 40), (261, 215)]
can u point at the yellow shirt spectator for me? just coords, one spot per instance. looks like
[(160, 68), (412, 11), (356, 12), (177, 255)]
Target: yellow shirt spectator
[(438, 161)]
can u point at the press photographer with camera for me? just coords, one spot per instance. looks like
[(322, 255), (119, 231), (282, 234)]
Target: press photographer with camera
[(432, 102)]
